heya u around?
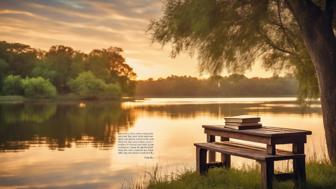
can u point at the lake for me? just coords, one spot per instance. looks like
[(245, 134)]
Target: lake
[(75, 145)]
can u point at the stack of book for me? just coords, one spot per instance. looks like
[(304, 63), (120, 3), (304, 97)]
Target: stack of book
[(243, 122)]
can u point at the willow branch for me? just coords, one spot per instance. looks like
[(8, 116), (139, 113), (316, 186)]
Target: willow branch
[(282, 27), (269, 42)]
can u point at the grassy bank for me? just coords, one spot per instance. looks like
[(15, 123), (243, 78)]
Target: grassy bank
[(319, 176)]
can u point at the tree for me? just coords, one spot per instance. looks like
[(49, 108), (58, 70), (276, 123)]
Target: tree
[(110, 65), (296, 35), (87, 85), (65, 63), (216, 86), (3, 70), (43, 69), (20, 58), (12, 85), (38, 87)]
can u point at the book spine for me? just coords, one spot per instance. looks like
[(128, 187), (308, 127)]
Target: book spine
[(227, 120), (243, 124)]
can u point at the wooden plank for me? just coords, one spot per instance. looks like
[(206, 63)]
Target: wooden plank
[(299, 164), (214, 164), (201, 155), (236, 144), (225, 158), (224, 139), (284, 176), (247, 151), (289, 139), (271, 149), (212, 154), (264, 131), (241, 136), (299, 167), (298, 148), (267, 173), (276, 139)]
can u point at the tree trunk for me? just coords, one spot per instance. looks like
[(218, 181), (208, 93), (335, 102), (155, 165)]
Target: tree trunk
[(319, 39)]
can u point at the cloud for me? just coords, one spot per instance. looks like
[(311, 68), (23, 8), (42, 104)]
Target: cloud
[(87, 25)]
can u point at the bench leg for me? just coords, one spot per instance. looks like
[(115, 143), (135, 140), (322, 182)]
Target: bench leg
[(299, 164), (267, 173), (226, 160), (299, 168), (201, 160), (212, 154)]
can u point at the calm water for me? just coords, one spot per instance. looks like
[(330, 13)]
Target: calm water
[(71, 145)]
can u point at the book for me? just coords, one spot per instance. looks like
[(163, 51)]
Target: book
[(241, 124), (256, 126), (242, 119)]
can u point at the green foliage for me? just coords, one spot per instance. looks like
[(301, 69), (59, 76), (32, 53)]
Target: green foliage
[(3, 71), (109, 65), (235, 34), (42, 69), (61, 59), (29, 87), (3, 66), (87, 85), (38, 87), (112, 90), (217, 86), (60, 64), (19, 57), (13, 85)]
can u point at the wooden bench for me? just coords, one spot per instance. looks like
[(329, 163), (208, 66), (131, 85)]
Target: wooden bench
[(265, 156)]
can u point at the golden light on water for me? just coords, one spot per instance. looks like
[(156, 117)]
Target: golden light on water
[(82, 105)]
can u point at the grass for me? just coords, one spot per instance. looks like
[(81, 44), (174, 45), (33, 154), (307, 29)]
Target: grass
[(320, 175)]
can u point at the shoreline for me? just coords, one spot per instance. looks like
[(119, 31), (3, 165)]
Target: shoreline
[(61, 98), (72, 97)]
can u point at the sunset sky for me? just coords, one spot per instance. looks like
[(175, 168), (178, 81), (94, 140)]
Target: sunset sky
[(86, 25)]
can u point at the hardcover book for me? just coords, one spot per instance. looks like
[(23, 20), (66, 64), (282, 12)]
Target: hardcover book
[(242, 119)]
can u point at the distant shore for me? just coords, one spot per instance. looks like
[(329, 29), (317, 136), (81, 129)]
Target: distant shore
[(59, 98), (74, 97)]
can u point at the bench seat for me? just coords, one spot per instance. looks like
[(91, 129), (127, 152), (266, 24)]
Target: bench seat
[(247, 151)]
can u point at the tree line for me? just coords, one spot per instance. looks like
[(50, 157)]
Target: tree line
[(62, 70), (235, 85)]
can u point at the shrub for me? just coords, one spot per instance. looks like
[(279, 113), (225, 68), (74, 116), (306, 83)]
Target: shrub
[(38, 87), (87, 85), (113, 90), (13, 85)]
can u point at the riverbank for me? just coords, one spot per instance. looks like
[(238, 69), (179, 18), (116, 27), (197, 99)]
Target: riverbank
[(319, 176)]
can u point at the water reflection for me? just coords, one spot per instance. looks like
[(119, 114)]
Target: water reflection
[(225, 109), (62, 125), (59, 143)]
